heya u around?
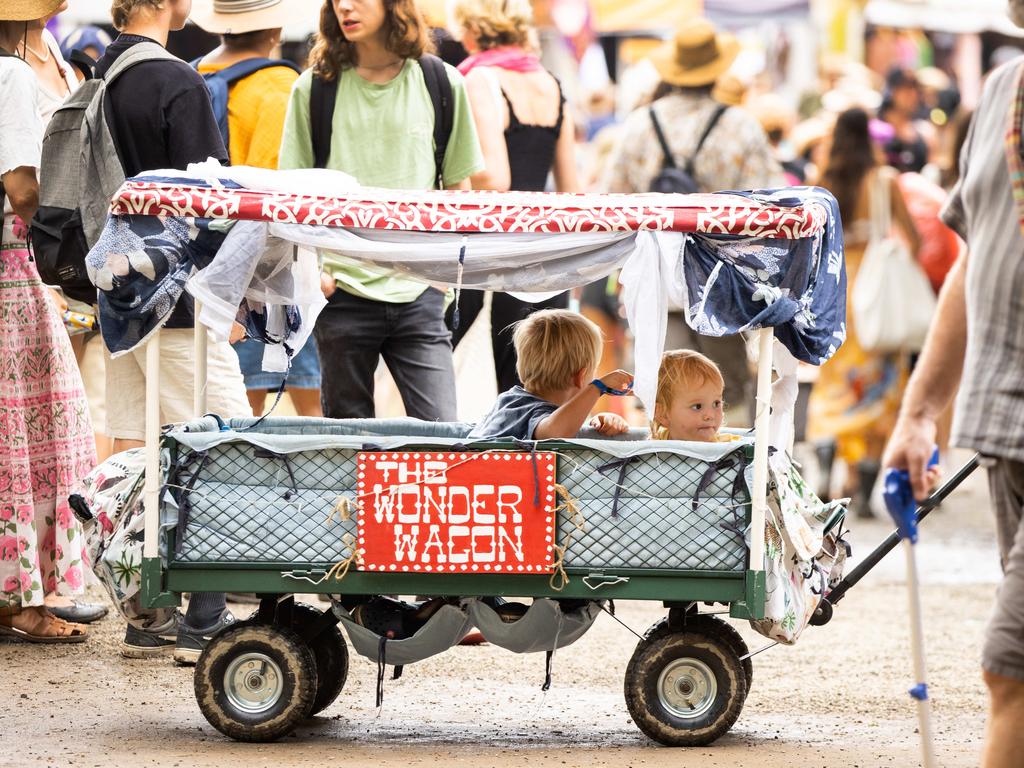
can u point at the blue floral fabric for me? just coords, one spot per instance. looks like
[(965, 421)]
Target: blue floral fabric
[(797, 286), (140, 265)]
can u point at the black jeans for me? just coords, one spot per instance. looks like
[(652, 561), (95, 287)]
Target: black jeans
[(353, 333), (505, 311)]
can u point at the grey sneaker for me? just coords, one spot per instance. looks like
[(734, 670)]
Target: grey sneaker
[(191, 641), (146, 643)]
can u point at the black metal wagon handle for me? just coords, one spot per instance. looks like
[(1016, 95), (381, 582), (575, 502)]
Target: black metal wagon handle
[(824, 611)]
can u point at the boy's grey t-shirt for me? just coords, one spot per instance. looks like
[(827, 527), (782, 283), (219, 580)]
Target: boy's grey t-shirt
[(516, 413)]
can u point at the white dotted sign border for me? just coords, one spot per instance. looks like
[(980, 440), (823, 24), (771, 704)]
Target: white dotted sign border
[(545, 468)]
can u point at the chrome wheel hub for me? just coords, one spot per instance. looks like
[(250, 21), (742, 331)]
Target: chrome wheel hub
[(253, 683), (687, 688)]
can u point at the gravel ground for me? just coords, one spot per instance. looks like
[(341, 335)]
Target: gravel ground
[(837, 698)]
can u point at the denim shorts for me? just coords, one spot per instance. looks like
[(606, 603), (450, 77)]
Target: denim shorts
[(305, 372)]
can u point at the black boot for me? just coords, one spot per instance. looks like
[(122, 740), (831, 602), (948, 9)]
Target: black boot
[(825, 451), (867, 476)]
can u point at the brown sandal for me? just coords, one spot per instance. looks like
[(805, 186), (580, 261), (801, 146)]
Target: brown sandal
[(47, 628)]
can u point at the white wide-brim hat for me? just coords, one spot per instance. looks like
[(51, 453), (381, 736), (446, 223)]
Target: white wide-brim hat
[(236, 17)]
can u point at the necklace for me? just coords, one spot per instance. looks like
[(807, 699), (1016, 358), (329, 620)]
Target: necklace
[(380, 66), (43, 58)]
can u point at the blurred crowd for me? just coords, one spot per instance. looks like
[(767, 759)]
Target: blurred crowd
[(535, 109)]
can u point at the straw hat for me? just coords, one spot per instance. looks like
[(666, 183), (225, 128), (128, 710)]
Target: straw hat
[(27, 10), (729, 90), (697, 56), (236, 17)]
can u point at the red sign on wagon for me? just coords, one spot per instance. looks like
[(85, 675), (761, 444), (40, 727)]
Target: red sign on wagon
[(486, 512)]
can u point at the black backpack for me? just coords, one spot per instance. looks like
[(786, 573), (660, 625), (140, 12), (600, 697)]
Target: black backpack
[(671, 178), (324, 95), (219, 83)]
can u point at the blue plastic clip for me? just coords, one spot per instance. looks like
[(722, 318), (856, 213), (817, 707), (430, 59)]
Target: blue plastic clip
[(919, 692), (899, 500)]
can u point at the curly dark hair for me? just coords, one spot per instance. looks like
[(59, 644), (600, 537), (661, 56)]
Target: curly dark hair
[(406, 32)]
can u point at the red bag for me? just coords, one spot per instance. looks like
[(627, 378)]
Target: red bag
[(940, 245)]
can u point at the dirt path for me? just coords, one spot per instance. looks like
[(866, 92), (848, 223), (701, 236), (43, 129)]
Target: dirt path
[(837, 698)]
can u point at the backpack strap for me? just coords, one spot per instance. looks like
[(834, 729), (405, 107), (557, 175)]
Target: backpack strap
[(137, 54), (84, 63), (242, 69), (324, 96), (439, 87), (668, 161), (322, 99), (719, 111)]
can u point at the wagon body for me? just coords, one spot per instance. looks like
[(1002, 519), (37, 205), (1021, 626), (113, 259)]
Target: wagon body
[(256, 505), (657, 523)]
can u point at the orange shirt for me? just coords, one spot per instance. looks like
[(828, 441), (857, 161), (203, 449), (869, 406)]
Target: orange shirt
[(256, 109)]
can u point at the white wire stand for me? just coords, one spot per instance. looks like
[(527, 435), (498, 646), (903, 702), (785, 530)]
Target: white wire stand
[(762, 415), (151, 487)]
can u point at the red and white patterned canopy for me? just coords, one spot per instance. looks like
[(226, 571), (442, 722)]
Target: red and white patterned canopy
[(450, 211)]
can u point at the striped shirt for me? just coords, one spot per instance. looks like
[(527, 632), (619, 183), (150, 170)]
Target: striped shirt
[(989, 415)]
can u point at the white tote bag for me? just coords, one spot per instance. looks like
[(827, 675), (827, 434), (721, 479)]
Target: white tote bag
[(892, 301)]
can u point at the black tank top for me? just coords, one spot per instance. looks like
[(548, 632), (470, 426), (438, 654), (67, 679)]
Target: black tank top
[(531, 148)]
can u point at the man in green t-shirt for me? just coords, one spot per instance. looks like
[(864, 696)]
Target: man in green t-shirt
[(382, 134)]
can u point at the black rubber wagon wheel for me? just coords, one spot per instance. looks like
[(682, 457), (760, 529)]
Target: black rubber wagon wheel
[(255, 682), (712, 626), (685, 689), (331, 656)]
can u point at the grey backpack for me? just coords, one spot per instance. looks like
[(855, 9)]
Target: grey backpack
[(80, 173)]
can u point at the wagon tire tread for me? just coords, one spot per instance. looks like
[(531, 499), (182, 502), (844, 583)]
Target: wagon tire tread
[(652, 655), (285, 648)]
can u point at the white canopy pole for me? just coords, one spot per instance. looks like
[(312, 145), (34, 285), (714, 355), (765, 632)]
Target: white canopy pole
[(759, 503), (151, 489), (199, 362)]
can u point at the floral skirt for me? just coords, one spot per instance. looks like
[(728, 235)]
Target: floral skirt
[(46, 438)]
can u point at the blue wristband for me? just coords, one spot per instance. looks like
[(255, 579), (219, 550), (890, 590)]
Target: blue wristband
[(604, 389)]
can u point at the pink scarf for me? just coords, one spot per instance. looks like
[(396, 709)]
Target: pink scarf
[(508, 57)]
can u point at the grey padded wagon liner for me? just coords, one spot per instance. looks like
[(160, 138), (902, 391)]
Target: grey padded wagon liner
[(441, 631), (248, 506), (544, 627)]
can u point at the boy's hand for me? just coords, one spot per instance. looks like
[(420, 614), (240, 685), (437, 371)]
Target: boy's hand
[(237, 333), (609, 424), (619, 380)]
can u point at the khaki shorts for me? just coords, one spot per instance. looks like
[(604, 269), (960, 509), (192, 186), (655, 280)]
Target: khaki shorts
[(1003, 653), (126, 384)]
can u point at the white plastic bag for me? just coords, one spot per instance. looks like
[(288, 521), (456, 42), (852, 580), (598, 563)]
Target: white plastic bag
[(892, 302)]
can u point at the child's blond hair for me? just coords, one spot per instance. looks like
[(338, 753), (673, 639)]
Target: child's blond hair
[(552, 346), (680, 369)]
